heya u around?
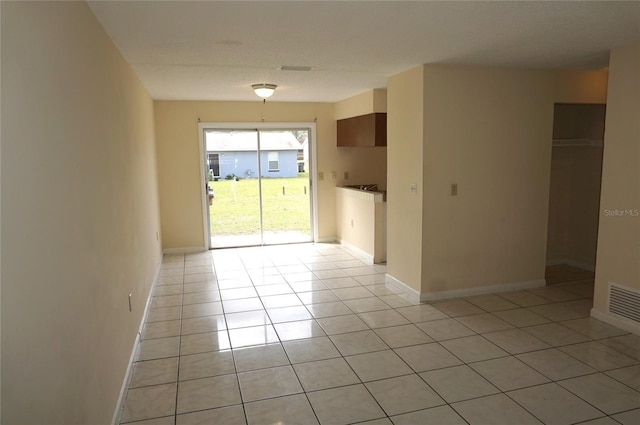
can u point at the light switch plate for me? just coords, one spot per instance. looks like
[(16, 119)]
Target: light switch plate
[(413, 188), (320, 175)]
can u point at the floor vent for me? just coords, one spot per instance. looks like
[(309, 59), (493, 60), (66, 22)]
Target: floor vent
[(624, 302)]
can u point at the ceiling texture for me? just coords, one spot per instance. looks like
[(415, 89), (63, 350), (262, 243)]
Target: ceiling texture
[(215, 50)]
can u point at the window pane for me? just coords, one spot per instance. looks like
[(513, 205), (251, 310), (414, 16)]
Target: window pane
[(273, 159)]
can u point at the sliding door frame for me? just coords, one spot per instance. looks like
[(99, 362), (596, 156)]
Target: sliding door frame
[(258, 126)]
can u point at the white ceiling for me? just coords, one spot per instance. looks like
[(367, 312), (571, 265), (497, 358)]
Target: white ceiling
[(215, 50)]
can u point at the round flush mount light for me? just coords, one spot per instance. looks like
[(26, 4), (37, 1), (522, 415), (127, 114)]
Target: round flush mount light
[(264, 90)]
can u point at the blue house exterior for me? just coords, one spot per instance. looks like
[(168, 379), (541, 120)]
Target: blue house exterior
[(245, 164), (234, 153)]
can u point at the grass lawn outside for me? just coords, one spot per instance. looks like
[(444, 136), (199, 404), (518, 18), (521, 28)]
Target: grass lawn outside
[(236, 206)]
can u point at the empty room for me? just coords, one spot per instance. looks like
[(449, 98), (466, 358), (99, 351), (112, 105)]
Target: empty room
[(318, 212)]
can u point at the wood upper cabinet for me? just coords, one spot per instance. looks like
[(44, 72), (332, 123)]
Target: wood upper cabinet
[(363, 131), (578, 121)]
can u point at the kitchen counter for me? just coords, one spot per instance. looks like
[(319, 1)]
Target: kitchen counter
[(369, 188), (361, 220)]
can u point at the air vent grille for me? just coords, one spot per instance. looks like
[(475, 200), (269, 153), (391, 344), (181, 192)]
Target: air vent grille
[(295, 68), (624, 302)]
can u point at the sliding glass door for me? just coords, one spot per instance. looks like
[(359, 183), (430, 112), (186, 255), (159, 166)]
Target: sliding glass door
[(259, 186)]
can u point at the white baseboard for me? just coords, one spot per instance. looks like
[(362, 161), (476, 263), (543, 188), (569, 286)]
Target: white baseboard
[(187, 250), (411, 293), (570, 262), (465, 292), (618, 322), (557, 262), (585, 266), (482, 290), (134, 352), (361, 253), (326, 240)]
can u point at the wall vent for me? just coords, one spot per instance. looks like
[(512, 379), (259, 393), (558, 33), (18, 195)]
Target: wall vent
[(624, 302)]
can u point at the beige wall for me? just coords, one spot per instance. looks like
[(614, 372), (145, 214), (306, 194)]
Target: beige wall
[(364, 103), (573, 205), (585, 200), (178, 160), (488, 130), (559, 205), (79, 214), (572, 86), (380, 100), (619, 236), (405, 115), (360, 218)]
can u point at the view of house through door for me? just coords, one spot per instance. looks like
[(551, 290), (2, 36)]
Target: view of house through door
[(259, 186)]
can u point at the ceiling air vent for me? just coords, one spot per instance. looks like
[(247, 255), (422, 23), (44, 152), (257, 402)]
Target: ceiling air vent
[(295, 68), (624, 302)]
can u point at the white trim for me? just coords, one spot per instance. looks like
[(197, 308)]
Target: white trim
[(270, 155), (466, 292), (412, 293), (573, 263), (204, 195), (482, 290), (618, 322), (585, 266), (313, 178), (557, 262), (186, 250), (313, 163), (326, 240), (134, 352), (361, 253)]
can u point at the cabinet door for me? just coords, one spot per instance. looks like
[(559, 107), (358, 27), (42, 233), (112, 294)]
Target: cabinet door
[(578, 121), (363, 131)]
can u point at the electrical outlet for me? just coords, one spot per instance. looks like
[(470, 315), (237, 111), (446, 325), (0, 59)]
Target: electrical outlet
[(320, 175), (413, 189), (334, 175), (346, 175), (454, 189)]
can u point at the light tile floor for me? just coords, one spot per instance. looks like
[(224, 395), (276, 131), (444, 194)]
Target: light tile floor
[(308, 334)]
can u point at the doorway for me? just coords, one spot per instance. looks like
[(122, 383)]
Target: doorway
[(259, 185), (574, 186)]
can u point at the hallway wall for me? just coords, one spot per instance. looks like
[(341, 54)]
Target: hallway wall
[(488, 131), (405, 144), (79, 214), (619, 228)]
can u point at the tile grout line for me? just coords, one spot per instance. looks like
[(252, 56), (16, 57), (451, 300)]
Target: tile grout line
[(491, 312), (231, 350), (175, 416)]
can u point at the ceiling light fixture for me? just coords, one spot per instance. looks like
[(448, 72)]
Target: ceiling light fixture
[(264, 90)]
